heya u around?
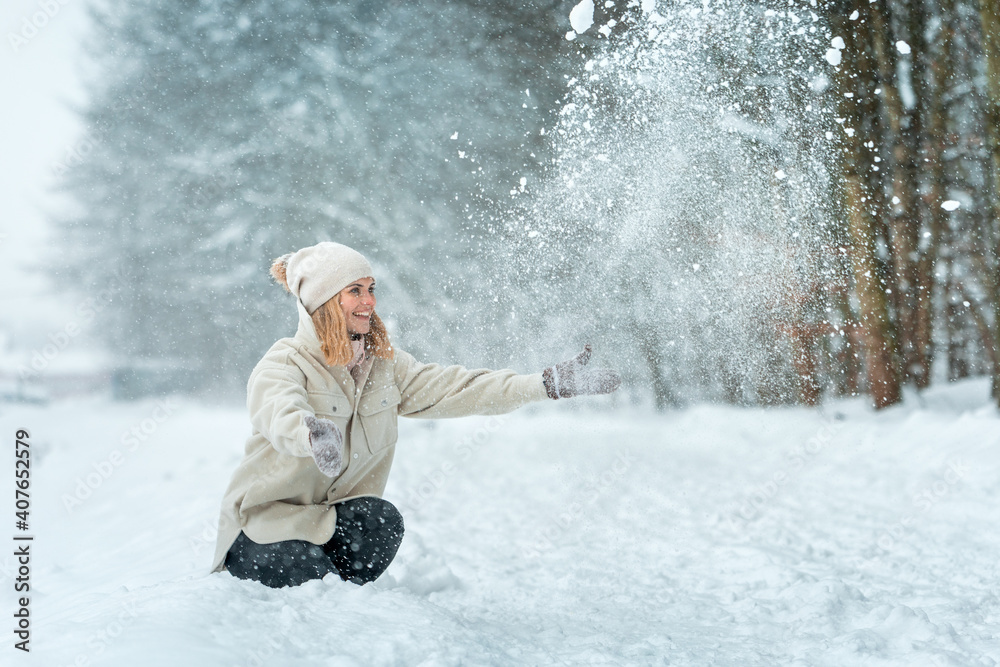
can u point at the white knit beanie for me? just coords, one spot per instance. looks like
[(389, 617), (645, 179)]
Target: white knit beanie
[(317, 274)]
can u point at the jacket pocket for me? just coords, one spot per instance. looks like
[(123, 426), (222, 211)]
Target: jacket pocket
[(331, 406), (336, 408), (379, 411)]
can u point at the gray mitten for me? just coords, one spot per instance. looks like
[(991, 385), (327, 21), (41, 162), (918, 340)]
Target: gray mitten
[(327, 445), (573, 378)]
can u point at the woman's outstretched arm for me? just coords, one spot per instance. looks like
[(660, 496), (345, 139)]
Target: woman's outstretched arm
[(432, 390)]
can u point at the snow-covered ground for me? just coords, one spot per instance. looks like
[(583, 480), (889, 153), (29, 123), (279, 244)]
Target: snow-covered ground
[(562, 535)]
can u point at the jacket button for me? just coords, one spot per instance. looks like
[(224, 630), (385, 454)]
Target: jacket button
[(355, 456), (333, 409), (384, 401)]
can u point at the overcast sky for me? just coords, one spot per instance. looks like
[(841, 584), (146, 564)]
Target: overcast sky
[(39, 79)]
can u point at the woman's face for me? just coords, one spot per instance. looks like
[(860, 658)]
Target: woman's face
[(357, 300)]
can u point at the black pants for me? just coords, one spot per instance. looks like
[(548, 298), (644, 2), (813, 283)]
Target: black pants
[(365, 541)]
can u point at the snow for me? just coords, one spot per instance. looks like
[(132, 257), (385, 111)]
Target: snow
[(951, 205), (903, 47), (581, 17), (906, 92), (568, 533), (833, 55)]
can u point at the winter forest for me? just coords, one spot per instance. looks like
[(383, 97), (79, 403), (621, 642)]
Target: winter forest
[(770, 202), (777, 220)]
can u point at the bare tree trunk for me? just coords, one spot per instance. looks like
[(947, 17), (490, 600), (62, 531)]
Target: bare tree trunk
[(880, 349), (936, 140), (990, 12), (982, 326), (650, 344), (904, 220), (804, 339), (854, 84)]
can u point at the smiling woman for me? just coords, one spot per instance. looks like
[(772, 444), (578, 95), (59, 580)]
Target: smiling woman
[(357, 300), (306, 499)]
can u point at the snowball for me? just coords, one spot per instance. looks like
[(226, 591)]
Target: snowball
[(838, 43), (855, 15), (951, 205), (833, 57), (454, 137), (582, 16), (903, 47), (571, 35), (820, 83)]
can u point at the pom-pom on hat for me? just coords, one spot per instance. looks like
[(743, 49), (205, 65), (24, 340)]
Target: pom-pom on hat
[(317, 274)]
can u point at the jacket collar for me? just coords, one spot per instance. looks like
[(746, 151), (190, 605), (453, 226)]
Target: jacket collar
[(306, 334)]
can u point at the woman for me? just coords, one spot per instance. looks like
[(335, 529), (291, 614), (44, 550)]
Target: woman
[(306, 499)]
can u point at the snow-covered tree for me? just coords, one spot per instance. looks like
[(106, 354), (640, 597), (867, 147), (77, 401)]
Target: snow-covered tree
[(225, 134)]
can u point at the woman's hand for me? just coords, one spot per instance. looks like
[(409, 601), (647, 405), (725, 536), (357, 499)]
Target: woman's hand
[(572, 378), (327, 445)]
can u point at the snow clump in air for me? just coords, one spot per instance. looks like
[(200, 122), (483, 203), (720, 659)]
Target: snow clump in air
[(582, 16), (833, 55)]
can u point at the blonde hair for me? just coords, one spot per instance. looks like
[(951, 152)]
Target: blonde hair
[(331, 328)]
